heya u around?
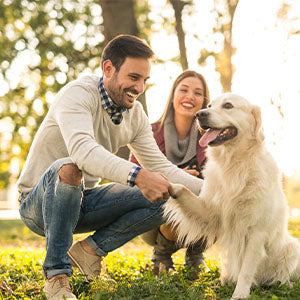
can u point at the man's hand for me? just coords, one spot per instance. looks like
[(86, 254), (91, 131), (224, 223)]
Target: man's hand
[(153, 185)]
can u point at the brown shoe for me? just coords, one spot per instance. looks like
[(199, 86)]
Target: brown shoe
[(58, 288), (88, 264)]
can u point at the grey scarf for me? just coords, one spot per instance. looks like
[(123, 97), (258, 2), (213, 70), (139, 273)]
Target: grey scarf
[(179, 152)]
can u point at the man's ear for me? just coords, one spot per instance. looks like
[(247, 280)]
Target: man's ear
[(258, 131), (108, 68)]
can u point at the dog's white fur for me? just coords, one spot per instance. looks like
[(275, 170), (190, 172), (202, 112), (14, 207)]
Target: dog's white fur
[(241, 204)]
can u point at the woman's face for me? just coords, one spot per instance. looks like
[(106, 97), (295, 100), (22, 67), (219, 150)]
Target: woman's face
[(188, 97)]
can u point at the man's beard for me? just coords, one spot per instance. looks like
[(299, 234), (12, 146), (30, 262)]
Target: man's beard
[(117, 93)]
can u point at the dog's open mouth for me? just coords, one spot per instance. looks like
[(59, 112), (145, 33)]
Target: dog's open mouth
[(215, 137)]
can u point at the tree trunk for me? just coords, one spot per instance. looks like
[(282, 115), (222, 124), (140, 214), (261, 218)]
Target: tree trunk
[(178, 6), (118, 18), (228, 47), (224, 60)]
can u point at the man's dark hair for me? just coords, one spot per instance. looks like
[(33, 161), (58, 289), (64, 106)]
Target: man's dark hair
[(123, 46)]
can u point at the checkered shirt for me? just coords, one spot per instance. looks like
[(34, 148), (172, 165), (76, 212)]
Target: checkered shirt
[(115, 113)]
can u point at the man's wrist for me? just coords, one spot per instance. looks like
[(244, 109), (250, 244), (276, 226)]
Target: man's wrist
[(132, 175)]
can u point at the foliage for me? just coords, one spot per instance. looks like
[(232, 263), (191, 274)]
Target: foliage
[(142, 11), (127, 277), (44, 44), (222, 33), (292, 191)]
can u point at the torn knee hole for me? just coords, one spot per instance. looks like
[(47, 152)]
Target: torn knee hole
[(70, 174)]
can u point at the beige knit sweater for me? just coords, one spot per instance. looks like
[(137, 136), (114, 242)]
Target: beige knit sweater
[(78, 127)]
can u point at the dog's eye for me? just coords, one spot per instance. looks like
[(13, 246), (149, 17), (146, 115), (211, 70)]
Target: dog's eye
[(227, 105), (209, 106)]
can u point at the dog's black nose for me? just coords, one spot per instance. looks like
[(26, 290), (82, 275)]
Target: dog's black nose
[(202, 114)]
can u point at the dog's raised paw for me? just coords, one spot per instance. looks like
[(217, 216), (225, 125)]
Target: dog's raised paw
[(177, 190)]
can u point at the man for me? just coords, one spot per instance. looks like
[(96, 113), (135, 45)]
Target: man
[(74, 147)]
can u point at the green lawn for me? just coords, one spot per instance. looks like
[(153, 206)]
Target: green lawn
[(127, 273)]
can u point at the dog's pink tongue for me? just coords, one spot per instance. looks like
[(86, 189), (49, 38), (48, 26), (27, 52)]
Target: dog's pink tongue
[(209, 136)]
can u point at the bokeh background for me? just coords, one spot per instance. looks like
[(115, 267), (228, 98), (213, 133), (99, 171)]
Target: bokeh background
[(250, 47)]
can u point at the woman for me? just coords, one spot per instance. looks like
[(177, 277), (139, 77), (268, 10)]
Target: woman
[(177, 136)]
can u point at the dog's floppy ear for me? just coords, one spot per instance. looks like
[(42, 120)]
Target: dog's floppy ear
[(258, 131)]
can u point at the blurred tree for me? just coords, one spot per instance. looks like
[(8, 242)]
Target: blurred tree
[(288, 15), (43, 45), (224, 15), (287, 21), (118, 17), (178, 6)]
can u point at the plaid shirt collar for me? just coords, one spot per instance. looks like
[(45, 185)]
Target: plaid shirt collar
[(115, 113)]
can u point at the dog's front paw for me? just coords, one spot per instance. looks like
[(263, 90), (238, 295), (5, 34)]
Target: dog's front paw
[(177, 190)]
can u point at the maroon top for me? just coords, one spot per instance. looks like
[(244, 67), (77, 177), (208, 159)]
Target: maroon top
[(160, 140)]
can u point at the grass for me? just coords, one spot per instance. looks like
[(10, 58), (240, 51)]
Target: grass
[(127, 276)]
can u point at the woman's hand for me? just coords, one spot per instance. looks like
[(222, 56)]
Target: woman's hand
[(191, 171)]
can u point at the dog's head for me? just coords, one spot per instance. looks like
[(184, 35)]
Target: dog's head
[(230, 118)]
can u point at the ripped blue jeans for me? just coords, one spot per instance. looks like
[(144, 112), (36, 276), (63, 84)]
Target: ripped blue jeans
[(115, 213)]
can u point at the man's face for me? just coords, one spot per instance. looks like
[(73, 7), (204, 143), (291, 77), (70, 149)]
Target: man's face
[(128, 83)]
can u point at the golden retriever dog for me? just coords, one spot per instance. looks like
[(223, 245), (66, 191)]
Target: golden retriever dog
[(241, 205)]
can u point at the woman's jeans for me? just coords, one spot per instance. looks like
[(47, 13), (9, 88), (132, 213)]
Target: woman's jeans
[(117, 213)]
